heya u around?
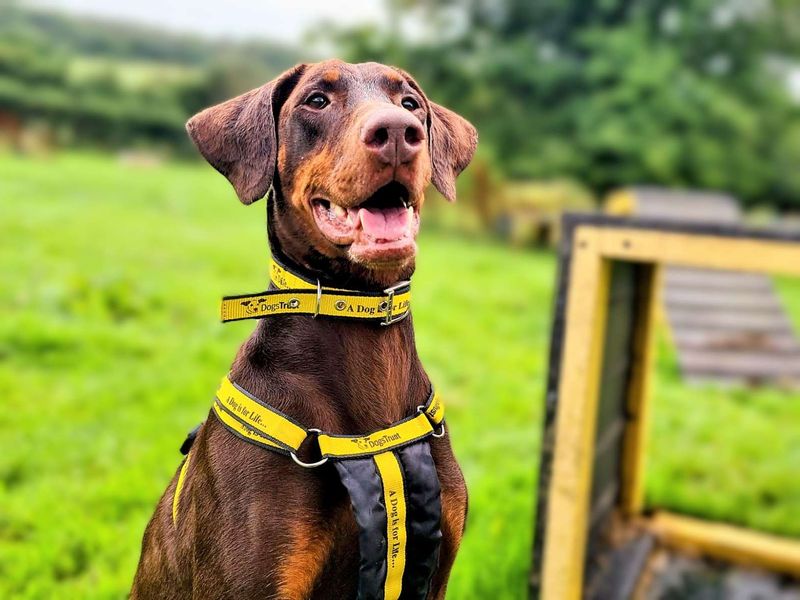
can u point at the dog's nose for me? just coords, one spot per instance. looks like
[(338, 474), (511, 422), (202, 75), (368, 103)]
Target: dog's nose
[(393, 135)]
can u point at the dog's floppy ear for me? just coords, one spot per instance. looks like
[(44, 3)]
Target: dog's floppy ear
[(452, 141), (239, 137)]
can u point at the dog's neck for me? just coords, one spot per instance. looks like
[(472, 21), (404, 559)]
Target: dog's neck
[(334, 373), (348, 376)]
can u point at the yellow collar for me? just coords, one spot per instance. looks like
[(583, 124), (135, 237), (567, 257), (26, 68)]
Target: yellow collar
[(296, 295)]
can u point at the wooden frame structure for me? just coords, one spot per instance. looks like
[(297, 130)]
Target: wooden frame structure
[(601, 357)]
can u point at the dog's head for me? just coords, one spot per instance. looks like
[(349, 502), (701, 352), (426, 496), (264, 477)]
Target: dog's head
[(348, 150)]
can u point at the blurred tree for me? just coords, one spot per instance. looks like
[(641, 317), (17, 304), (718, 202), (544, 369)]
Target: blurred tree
[(119, 84), (613, 92)]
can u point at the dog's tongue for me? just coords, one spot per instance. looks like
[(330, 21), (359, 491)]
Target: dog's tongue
[(386, 224)]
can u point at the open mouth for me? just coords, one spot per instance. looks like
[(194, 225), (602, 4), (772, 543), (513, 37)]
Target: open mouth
[(380, 229)]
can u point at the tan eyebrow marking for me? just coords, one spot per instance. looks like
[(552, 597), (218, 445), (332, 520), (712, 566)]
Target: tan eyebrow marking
[(331, 76), (393, 77)]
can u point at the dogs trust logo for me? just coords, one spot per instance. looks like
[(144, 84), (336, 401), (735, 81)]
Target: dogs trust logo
[(366, 443), (259, 306)]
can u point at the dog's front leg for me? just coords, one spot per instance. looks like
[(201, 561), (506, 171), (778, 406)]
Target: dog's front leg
[(454, 514)]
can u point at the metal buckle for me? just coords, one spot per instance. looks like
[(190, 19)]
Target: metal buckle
[(319, 301), (311, 465), (389, 320)]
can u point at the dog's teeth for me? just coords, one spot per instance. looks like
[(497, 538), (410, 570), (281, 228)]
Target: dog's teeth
[(338, 211)]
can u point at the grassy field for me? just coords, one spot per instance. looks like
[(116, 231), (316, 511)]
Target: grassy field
[(110, 349)]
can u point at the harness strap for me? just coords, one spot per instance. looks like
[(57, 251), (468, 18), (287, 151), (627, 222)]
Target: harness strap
[(389, 475), (258, 423), (405, 432), (395, 497), (424, 518), (176, 498), (296, 295), (394, 502)]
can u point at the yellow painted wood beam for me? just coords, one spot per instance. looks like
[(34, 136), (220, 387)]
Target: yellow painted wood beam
[(701, 251), (639, 393), (727, 542), (569, 493), (571, 480)]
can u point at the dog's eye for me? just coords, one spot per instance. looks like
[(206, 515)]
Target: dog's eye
[(409, 103), (317, 100)]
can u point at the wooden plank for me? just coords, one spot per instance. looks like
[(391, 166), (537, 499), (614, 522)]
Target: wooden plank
[(701, 297), (723, 380), (693, 250), (727, 542), (611, 417), (716, 279), (695, 339), (607, 464), (569, 491), (617, 345), (705, 319), (613, 385), (639, 390), (744, 365), (620, 326), (610, 436), (741, 358)]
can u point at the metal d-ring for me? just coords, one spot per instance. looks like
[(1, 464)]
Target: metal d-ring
[(306, 465), (319, 302), (310, 465)]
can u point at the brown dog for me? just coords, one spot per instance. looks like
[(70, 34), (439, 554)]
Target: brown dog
[(348, 150)]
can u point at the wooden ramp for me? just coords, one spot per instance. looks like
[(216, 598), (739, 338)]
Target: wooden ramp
[(728, 326)]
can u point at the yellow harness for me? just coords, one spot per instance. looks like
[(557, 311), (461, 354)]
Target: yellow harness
[(261, 424), (258, 423)]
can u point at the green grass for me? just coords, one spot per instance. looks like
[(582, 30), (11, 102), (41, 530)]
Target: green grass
[(110, 349)]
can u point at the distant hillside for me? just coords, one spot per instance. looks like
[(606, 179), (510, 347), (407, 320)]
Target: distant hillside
[(93, 81)]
